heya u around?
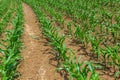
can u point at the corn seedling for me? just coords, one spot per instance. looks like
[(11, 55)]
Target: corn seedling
[(10, 53), (69, 28)]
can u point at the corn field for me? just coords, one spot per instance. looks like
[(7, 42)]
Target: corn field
[(92, 24)]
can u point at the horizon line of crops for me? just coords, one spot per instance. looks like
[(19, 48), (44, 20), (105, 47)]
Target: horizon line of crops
[(114, 28), (90, 16), (67, 60), (10, 53), (77, 9)]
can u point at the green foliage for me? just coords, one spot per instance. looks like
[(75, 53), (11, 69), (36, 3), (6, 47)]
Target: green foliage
[(67, 60), (6, 13), (11, 51)]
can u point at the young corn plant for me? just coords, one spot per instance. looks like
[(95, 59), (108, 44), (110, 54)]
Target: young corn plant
[(115, 59), (5, 20), (58, 17), (80, 34), (79, 70), (106, 54), (67, 63), (95, 45), (11, 51), (4, 7), (110, 57), (69, 28)]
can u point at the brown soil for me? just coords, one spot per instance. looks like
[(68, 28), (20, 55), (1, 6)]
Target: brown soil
[(36, 54), (79, 49), (83, 52)]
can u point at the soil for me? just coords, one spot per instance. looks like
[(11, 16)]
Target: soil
[(36, 53), (79, 49)]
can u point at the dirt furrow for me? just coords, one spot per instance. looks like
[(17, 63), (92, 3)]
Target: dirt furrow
[(36, 54)]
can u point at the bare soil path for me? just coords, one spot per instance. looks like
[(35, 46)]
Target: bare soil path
[(35, 64)]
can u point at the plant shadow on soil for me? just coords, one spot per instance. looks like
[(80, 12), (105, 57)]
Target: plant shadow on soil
[(85, 52)]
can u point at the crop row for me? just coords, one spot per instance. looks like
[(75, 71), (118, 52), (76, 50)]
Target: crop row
[(4, 7), (7, 16), (96, 25), (89, 17), (11, 45), (67, 61)]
